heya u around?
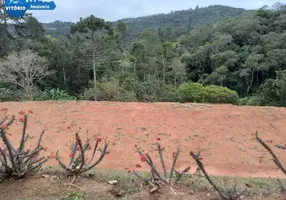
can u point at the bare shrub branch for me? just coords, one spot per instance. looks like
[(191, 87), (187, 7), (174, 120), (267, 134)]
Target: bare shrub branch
[(78, 162), (275, 158), (17, 163), (231, 194), (156, 176)]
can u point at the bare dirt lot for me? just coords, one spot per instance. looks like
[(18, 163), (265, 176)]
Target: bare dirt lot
[(224, 133)]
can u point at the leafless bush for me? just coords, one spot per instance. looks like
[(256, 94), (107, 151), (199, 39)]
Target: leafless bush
[(231, 194), (163, 178), (17, 162), (78, 162)]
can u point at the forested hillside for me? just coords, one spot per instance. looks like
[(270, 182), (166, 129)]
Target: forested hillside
[(177, 23), (240, 60), (172, 25), (57, 28)]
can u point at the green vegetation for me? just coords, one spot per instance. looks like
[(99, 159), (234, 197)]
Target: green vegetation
[(196, 92), (54, 94), (74, 196), (170, 26), (228, 56)]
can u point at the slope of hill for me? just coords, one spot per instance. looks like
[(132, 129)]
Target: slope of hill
[(181, 21), (224, 133), (57, 28), (184, 20)]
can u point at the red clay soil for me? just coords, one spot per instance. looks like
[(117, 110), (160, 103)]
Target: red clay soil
[(224, 133)]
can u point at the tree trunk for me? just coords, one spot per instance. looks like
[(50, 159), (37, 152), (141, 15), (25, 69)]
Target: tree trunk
[(156, 73), (134, 68), (251, 82), (5, 31), (175, 77), (64, 76), (31, 94), (28, 91), (164, 70), (94, 74)]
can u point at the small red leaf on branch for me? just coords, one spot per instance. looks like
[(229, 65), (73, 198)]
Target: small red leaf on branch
[(4, 126), (143, 158)]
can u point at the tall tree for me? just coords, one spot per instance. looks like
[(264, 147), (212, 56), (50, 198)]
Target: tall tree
[(100, 42), (24, 70), (122, 28)]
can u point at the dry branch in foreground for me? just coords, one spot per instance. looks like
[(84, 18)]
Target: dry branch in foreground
[(275, 158), (232, 194)]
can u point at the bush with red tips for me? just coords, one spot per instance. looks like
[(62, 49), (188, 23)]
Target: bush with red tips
[(16, 162)]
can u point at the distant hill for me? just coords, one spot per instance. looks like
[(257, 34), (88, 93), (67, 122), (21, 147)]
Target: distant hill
[(183, 20), (180, 21), (57, 28)]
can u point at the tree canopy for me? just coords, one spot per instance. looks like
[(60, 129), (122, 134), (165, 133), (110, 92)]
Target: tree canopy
[(241, 54)]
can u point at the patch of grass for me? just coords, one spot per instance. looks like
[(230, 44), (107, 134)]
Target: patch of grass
[(125, 180), (143, 129), (74, 196), (256, 183), (31, 137), (131, 184), (164, 134)]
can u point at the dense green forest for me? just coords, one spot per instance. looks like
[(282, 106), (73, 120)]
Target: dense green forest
[(236, 57), (171, 25)]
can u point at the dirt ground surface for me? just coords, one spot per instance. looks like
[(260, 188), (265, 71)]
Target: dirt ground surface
[(53, 187), (224, 133)]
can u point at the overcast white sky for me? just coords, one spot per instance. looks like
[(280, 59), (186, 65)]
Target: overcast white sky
[(112, 10)]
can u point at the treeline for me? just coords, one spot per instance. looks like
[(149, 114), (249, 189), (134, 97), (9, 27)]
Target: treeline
[(240, 61)]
